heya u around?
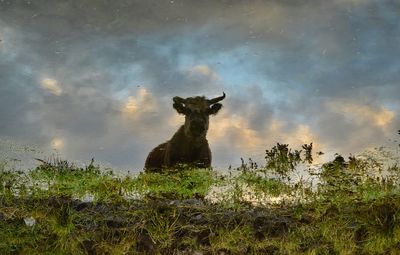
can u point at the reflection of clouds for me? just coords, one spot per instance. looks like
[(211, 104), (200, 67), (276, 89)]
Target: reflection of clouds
[(286, 66), (362, 113), (57, 143), (353, 2), (301, 135), (131, 105), (176, 120), (8, 42), (203, 71), (142, 103), (52, 86), (235, 130)]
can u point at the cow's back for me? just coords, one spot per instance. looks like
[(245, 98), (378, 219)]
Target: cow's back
[(155, 159)]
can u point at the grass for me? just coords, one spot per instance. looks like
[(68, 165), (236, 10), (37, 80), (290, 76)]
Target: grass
[(59, 208)]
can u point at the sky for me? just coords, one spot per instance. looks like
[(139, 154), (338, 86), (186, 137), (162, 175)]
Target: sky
[(95, 78)]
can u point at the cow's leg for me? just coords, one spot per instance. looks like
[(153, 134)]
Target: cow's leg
[(155, 159)]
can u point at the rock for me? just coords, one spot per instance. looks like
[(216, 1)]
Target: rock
[(145, 244), (82, 205), (30, 221), (89, 246), (187, 202), (115, 222), (198, 219), (270, 227), (188, 252)]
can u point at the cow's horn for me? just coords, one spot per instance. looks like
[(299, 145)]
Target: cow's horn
[(217, 99), (179, 100)]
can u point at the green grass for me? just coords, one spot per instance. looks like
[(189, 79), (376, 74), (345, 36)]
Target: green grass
[(59, 208)]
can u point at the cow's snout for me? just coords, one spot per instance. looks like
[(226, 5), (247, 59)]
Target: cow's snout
[(198, 127)]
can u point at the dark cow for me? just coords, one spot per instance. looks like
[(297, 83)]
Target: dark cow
[(189, 144)]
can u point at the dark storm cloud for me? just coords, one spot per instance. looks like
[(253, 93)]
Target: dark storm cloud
[(101, 52)]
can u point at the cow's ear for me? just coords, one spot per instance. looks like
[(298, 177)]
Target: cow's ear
[(180, 108), (214, 109)]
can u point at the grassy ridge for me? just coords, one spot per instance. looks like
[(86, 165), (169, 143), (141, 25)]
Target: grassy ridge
[(59, 208)]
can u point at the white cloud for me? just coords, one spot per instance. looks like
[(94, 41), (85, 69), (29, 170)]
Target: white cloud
[(142, 103), (57, 143), (52, 86), (378, 116), (203, 71), (226, 127)]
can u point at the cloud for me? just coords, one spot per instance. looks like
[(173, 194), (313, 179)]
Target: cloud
[(362, 113), (236, 129), (52, 86), (141, 104), (203, 72), (98, 74), (353, 2), (57, 143)]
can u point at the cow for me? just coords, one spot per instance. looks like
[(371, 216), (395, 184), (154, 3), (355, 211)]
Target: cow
[(189, 144)]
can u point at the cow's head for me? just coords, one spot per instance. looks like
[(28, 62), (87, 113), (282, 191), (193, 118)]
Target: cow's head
[(197, 111)]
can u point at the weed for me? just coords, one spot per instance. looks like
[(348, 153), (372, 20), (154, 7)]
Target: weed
[(59, 208)]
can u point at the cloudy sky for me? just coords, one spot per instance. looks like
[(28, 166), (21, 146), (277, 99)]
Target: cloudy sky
[(95, 78)]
